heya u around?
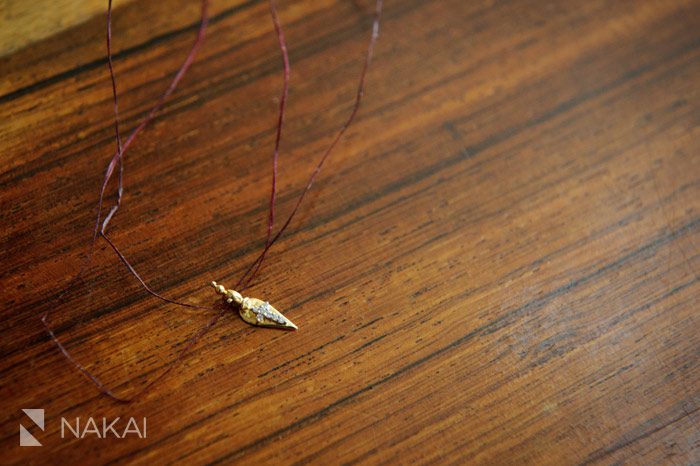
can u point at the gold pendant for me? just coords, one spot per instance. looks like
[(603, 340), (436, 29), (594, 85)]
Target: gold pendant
[(255, 311)]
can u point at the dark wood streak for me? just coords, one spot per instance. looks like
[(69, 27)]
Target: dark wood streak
[(598, 455), (512, 379), (157, 40)]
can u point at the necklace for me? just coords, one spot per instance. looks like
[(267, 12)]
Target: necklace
[(252, 310)]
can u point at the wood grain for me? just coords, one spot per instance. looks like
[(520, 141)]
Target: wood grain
[(499, 264), (23, 23)]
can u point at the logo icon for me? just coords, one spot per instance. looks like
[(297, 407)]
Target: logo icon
[(25, 438)]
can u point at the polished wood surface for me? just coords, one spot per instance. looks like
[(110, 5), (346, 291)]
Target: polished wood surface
[(24, 22), (498, 265)]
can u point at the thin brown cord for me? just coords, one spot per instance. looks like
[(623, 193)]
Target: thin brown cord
[(101, 230)]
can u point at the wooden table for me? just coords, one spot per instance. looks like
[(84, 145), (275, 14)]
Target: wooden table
[(498, 265)]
